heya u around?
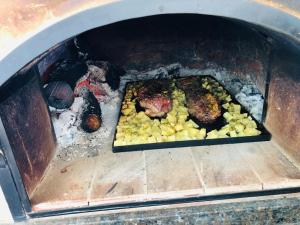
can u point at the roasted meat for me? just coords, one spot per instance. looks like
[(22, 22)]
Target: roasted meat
[(201, 104), (155, 97)]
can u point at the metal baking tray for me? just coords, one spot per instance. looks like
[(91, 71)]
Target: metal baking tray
[(220, 122)]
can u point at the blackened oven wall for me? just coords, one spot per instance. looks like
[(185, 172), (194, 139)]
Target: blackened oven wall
[(192, 40)]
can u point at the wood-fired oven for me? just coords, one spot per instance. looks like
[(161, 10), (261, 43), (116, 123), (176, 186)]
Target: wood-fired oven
[(60, 159)]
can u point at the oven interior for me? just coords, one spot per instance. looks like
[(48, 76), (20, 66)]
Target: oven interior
[(64, 167)]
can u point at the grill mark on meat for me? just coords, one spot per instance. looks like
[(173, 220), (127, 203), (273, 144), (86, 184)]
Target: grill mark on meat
[(155, 97), (201, 104)]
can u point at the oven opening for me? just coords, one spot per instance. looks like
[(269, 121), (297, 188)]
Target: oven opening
[(154, 109)]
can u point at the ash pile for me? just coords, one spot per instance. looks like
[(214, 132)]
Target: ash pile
[(83, 103)]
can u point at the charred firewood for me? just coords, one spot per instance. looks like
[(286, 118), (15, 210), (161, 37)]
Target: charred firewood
[(59, 95), (201, 104), (91, 116), (155, 97), (68, 70), (100, 79), (112, 73)]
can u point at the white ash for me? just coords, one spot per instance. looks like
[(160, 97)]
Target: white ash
[(77, 104), (169, 71), (65, 123), (110, 94), (72, 141), (252, 101)]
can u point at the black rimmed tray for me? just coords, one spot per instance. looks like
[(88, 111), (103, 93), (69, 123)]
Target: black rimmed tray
[(264, 136)]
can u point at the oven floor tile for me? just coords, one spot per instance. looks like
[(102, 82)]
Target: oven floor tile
[(66, 184), (166, 173), (118, 175), (170, 170), (271, 166), (223, 170)]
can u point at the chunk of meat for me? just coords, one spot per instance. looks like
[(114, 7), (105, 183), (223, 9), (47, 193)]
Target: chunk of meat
[(155, 97), (201, 104)]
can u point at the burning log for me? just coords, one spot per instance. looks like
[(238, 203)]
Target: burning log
[(101, 79), (201, 104), (111, 73), (155, 97), (68, 70), (91, 115)]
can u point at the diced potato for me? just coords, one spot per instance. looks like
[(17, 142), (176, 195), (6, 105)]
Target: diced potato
[(212, 134), (164, 121), (122, 120), (120, 135), (244, 121), (241, 134), (142, 115), (172, 119), (143, 138), (193, 133), (182, 117), (252, 124), (223, 136), (202, 132), (199, 136), (127, 111), (156, 122), (148, 131), (236, 108), (182, 135), (119, 143), (175, 103), (224, 130), (145, 124), (251, 131), (156, 129), (164, 138), (228, 98), (232, 133), (159, 138), (225, 106), (178, 127), (182, 110), (151, 139), (156, 134), (227, 116), (166, 130), (190, 123), (127, 138), (239, 127), (171, 138)]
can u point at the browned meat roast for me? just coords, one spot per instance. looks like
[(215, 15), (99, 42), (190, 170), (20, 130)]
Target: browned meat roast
[(155, 97), (201, 104)]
